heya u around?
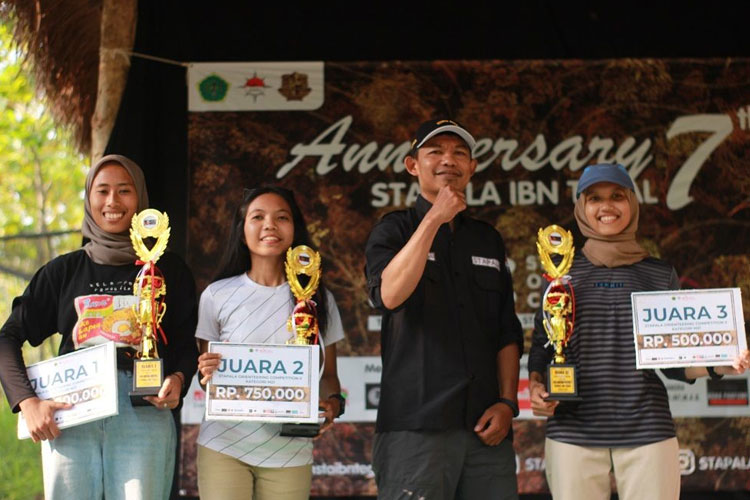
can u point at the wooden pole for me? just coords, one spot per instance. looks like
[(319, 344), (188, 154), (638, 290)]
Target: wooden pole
[(117, 38)]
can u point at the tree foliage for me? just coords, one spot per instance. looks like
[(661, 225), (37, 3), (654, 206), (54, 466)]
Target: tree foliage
[(41, 188), (41, 178)]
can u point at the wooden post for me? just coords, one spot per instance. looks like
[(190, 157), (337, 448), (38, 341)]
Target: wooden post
[(117, 38)]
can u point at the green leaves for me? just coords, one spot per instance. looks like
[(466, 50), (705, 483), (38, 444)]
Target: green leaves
[(41, 178), (21, 474)]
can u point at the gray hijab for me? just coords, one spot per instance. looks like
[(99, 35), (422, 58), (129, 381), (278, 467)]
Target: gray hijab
[(114, 249)]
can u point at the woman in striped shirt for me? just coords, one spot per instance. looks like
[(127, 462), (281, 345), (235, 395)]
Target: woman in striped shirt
[(622, 423)]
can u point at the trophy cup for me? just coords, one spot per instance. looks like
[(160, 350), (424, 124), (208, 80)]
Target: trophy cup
[(303, 260), (558, 310), (150, 288)]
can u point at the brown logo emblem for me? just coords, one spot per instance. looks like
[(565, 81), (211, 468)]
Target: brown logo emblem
[(294, 86)]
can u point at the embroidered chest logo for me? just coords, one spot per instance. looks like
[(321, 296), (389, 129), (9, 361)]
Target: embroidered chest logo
[(485, 262), (609, 284)]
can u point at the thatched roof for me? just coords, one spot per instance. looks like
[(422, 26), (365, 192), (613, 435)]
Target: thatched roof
[(61, 40)]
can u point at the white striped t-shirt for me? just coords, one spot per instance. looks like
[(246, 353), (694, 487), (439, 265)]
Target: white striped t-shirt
[(237, 309)]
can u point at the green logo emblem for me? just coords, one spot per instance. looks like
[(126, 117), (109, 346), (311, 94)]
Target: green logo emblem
[(213, 88)]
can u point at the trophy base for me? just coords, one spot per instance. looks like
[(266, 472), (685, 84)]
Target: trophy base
[(562, 397), (148, 377), (562, 383), (136, 397), (300, 430)]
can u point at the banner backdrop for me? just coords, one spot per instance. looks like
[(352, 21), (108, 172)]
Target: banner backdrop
[(680, 127)]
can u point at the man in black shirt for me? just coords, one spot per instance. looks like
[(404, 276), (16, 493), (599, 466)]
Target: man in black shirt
[(451, 341)]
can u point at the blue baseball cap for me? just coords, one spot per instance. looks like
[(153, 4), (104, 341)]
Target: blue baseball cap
[(605, 172)]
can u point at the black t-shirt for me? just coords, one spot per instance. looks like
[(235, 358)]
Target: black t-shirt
[(440, 346), (47, 307)]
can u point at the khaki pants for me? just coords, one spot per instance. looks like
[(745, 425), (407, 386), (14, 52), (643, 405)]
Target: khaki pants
[(221, 477), (645, 472)]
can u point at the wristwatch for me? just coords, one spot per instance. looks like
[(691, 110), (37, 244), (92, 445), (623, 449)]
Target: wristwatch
[(712, 373), (513, 405), (342, 403)]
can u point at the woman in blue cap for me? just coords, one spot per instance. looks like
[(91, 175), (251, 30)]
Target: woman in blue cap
[(622, 423)]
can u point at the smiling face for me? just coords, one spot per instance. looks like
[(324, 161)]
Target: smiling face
[(113, 198), (444, 160), (269, 228), (607, 208)]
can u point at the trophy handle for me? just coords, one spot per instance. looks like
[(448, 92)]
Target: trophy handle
[(162, 311)]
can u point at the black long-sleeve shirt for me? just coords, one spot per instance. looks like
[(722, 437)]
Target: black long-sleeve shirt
[(440, 346), (47, 307)]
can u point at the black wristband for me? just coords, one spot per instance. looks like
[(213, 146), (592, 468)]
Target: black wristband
[(180, 376), (712, 373), (342, 403), (512, 404)]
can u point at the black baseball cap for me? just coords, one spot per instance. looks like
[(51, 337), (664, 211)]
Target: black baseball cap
[(432, 128)]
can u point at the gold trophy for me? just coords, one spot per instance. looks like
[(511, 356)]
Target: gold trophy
[(150, 288), (303, 260), (558, 310)]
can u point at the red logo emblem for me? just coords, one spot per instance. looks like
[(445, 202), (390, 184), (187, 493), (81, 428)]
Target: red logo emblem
[(254, 86)]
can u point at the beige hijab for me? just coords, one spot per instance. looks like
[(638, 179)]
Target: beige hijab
[(611, 251), (105, 247)]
